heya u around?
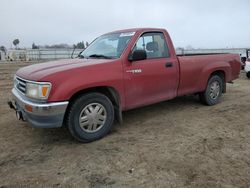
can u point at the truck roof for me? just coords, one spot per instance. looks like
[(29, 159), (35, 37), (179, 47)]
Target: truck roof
[(137, 29)]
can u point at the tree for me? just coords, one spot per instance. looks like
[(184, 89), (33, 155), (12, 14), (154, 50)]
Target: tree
[(61, 46), (34, 46), (16, 42), (80, 45), (189, 47), (3, 49)]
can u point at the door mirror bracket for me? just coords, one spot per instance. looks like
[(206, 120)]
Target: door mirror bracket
[(137, 55)]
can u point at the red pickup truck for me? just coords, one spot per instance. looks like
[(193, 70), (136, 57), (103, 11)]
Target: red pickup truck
[(119, 71)]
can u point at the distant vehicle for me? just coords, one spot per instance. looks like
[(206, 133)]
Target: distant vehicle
[(247, 63), (119, 71), (244, 58)]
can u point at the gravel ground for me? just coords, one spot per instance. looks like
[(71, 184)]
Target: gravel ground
[(177, 143)]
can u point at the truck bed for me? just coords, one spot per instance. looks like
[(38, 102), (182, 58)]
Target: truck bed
[(198, 54), (195, 69)]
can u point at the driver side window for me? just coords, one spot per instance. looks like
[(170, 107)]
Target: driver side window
[(154, 44)]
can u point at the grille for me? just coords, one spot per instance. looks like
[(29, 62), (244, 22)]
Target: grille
[(20, 85)]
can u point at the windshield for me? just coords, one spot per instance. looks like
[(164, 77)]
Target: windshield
[(109, 46)]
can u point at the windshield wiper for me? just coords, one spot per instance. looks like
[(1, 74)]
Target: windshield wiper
[(100, 56)]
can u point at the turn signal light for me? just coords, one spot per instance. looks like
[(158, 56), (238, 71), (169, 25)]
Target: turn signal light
[(28, 108), (45, 90)]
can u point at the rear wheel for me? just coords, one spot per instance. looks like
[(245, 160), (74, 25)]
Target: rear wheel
[(90, 117), (213, 92), (248, 74)]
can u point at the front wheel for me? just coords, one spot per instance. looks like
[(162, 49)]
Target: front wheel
[(90, 117), (213, 92)]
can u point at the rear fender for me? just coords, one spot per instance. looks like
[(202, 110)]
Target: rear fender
[(211, 69)]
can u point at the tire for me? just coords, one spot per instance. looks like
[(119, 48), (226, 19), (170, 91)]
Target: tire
[(90, 117), (213, 92), (248, 74)]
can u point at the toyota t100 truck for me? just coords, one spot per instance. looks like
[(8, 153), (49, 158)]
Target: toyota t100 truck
[(118, 71)]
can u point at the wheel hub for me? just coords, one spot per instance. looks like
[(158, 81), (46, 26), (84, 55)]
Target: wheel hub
[(92, 117), (215, 90)]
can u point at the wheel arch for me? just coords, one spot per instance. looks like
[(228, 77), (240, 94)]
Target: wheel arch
[(219, 72), (222, 75), (108, 91)]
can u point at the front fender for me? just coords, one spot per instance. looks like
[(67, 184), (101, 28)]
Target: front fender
[(66, 84)]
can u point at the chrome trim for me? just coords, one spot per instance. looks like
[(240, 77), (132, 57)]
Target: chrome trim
[(22, 88), (34, 82), (20, 85), (40, 109)]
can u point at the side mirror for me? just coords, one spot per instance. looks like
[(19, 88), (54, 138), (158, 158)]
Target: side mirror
[(137, 55)]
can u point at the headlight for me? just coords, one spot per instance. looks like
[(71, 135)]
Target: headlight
[(37, 90)]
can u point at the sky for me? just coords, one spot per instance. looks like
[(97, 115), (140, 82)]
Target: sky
[(196, 23)]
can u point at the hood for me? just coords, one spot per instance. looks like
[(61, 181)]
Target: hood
[(37, 72)]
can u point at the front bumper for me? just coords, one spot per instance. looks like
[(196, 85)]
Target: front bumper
[(42, 115)]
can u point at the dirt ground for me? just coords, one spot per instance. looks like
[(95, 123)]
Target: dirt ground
[(177, 143)]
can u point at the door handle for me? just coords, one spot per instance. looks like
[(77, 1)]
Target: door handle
[(169, 64)]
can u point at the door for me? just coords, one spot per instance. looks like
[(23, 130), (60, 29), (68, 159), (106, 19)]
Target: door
[(153, 79)]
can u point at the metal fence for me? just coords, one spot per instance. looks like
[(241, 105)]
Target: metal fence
[(50, 54), (40, 54)]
